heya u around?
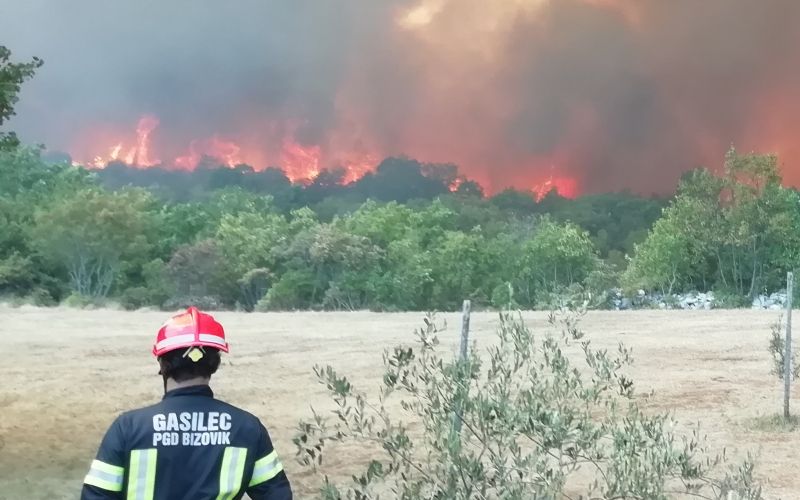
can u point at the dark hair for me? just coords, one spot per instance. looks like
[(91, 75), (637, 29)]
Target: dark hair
[(179, 367)]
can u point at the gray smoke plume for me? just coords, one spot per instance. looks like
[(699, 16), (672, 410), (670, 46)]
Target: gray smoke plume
[(611, 93)]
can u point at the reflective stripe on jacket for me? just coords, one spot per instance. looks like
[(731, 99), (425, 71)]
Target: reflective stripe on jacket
[(188, 446)]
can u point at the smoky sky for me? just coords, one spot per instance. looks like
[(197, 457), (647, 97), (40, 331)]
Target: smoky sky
[(618, 94)]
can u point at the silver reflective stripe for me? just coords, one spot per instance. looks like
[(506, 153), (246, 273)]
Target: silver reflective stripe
[(231, 472), (141, 482), (188, 338), (204, 337), (177, 339), (105, 476), (266, 468)]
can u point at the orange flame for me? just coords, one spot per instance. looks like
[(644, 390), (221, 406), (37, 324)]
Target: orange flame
[(563, 186), (226, 152), (300, 163), (356, 166), (139, 154)]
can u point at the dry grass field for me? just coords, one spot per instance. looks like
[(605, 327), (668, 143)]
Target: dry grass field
[(66, 374)]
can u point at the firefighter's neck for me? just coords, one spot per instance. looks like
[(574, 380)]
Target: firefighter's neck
[(172, 384)]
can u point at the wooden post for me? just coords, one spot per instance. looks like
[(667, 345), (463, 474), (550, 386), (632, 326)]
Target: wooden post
[(788, 364), (465, 330), (462, 359)]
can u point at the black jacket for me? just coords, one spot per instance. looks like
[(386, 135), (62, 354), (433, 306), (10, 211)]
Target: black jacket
[(188, 446)]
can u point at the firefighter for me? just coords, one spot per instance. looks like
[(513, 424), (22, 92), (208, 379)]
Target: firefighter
[(189, 445)]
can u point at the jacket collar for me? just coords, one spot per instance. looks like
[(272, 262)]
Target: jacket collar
[(193, 390)]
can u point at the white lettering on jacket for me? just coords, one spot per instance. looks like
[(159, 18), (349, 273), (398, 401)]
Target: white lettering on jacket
[(191, 428)]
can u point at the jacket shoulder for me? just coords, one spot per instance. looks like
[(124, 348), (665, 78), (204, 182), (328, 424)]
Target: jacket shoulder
[(243, 414)]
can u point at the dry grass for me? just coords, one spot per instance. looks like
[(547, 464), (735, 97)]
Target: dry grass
[(67, 374)]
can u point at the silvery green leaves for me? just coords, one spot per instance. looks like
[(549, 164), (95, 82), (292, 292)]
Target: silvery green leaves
[(543, 415)]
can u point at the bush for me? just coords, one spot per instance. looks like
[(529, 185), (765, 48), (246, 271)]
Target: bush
[(529, 423), (159, 288), (78, 301), (291, 292), (135, 298), (201, 302), (41, 297), (777, 350), (727, 299), (503, 297), (254, 285)]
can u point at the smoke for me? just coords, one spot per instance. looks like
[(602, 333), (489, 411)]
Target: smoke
[(610, 94)]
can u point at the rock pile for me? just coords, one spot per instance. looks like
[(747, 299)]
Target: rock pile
[(773, 301), (691, 300)]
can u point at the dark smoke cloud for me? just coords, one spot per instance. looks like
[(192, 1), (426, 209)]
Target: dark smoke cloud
[(617, 93)]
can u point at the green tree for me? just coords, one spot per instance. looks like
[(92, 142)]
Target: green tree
[(558, 255), (96, 237), (663, 260), (199, 276), (460, 269), (381, 223), (406, 281), (517, 202), (738, 232), (12, 76), (247, 242), (27, 183)]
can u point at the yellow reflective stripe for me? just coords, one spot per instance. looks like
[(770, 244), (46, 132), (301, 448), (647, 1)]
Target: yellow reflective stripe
[(266, 468), (105, 476), (231, 472), (142, 478)]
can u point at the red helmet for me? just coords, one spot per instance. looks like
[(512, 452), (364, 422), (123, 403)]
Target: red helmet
[(191, 328)]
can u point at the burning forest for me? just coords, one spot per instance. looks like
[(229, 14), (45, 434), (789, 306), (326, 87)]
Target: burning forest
[(573, 95)]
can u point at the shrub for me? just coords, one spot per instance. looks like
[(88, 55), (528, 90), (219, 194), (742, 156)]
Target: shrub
[(41, 297), (777, 349), (503, 297), (292, 291), (135, 298), (201, 302), (79, 301), (254, 285), (727, 299), (533, 424)]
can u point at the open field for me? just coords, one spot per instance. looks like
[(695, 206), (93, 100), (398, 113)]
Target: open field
[(66, 374)]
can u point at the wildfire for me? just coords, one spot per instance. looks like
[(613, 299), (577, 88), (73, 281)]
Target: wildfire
[(356, 166), (226, 152), (301, 163), (147, 124), (138, 154), (564, 186)]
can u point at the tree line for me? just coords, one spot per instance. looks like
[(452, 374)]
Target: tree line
[(67, 234)]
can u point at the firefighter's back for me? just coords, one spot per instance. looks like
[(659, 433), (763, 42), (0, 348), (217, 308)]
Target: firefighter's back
[(192, 446)]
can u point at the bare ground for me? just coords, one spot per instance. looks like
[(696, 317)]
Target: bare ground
[(66, 375)]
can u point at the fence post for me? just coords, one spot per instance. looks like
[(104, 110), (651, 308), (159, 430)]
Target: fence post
[(788, 359), (462, 360)]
